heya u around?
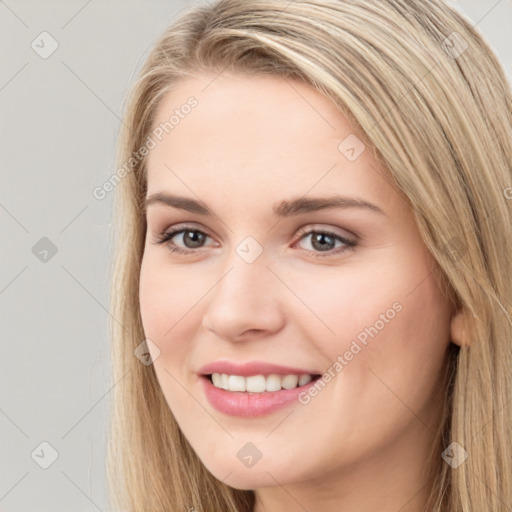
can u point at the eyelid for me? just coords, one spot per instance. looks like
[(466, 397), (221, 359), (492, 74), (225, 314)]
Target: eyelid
[(177, 229), (349, 243), (308, 228)]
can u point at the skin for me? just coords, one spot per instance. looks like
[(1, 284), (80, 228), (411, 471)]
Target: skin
[(362, 443)]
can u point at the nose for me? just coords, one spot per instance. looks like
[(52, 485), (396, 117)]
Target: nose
[(245, 302)]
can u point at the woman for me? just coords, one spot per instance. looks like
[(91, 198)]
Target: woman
[(311, 283)]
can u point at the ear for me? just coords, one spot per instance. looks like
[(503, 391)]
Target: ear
[(459, 329)]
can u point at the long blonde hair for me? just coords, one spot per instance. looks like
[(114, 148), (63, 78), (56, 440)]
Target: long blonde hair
[(433, 101)]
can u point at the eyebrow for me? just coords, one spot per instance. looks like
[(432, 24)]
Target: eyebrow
[(282, 209)]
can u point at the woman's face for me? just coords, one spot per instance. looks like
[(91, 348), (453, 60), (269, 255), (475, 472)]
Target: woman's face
[(272, 276)]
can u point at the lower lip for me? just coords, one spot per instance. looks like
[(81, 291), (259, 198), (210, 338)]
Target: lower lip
[(250, 405)]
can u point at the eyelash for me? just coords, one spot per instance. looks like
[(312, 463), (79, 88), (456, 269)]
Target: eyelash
[(167, 235)]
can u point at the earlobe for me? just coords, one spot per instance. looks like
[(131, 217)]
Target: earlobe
[(459, 329)]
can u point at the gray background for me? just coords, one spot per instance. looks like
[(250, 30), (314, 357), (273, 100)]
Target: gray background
[(59, 121)]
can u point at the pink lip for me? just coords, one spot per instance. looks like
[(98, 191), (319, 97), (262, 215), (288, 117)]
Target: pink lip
[(246, 404), (250, 405), (253, 368)]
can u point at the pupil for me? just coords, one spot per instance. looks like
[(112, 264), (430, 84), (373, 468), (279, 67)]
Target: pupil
[(193, 236), (320, 238)]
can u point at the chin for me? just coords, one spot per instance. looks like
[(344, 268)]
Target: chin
[(245, 480), (259, 475)]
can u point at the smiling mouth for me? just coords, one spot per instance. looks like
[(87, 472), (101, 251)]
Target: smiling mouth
[(259, 383)]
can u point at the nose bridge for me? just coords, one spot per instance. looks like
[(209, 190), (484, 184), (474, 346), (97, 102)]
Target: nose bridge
[(244, 298), (245, 268), (245, 280)]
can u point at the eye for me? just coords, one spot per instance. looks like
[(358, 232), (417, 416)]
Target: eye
[(324, 241), (192, 239)]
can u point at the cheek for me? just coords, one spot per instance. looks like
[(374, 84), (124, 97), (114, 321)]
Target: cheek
[(392, 335), (389, 318), (168, 301), (346, 304), (169, 311)]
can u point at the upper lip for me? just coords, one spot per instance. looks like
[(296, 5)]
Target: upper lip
[(252, 368)]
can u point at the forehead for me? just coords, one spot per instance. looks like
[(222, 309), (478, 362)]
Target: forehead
[(250, 118), (255, 97), (260, 138)]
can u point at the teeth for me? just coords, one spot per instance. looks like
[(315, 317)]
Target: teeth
[(255, 384), (273, 383), (236, 383), (259, 383), (304, 379), (216, 378), (290, 381)]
